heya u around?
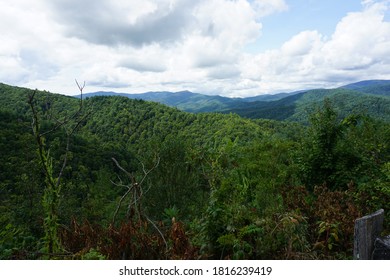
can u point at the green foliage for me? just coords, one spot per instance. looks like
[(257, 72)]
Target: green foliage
[(336, 152), (321, 155), (171, 214), (225, 187), (174, 184), (8, 239), (15, 242), (329, 233), (374, 195), (50, 202), (373, 101), (93, 254)]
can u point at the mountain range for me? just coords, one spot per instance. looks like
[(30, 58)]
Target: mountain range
[(201, 168), (370, 97)]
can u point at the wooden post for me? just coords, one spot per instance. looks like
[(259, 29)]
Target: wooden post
[(367, 229)]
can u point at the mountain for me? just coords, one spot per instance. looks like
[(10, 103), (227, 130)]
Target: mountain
[(371, 97), (270, 97), (229, 181), (183, 100), (280, 109), (376, 87), (195, 102), (299, 106)]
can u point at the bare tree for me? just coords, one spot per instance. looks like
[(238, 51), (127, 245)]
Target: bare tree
[(51, 194), (135, 191)]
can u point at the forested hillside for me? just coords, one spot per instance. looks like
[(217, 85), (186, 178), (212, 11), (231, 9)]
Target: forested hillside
[(376, 87), (183, 100), (370, 97), (109, 177), (372, 101)]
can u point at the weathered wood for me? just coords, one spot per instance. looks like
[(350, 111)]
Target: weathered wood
[(382, 248), (367, 229)]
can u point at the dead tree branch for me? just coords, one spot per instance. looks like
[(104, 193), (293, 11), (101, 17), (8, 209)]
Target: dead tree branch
[(135, 188), (52, 189)]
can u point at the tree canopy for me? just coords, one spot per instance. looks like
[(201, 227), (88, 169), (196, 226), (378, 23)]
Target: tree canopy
[(205, 185)]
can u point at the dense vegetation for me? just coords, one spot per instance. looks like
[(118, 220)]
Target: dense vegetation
[(370, 97), (112, 178)]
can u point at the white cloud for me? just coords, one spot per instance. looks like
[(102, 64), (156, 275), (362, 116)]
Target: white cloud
[(137, 46), (124, 22), (150, 58), (302, 43), (358, 49), (224, 72), (367, 3), (360, 39), (22, 44), (11, 70), (267, 7)]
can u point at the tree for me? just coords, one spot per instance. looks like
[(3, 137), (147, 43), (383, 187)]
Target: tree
[(135, 191), (53, 184), (319, 154)]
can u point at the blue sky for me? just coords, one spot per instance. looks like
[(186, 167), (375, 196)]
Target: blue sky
[(302, 15), (225, 47)]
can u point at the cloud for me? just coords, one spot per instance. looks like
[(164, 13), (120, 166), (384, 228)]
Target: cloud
[(140, 65), (147, 59), (367, 3), (110, 82), (122, 22), (19, 50), (358, 49), (360, 40), (267, 7), (37, 64), (137, 46), (222, 29), (302, 43), (165, 41), (11, 70), (224, 72)]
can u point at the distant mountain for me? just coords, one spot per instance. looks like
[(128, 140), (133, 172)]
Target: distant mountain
[(271, 97), (377, 87), (371, 97), (195, 102), (346, 102), (183, 100), (298, 107), (280, 109), (366, 84)]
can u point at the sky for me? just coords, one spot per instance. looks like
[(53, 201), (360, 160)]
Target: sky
[(234, 48)]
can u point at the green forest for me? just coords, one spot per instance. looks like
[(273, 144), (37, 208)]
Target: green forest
[(108, 177)]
